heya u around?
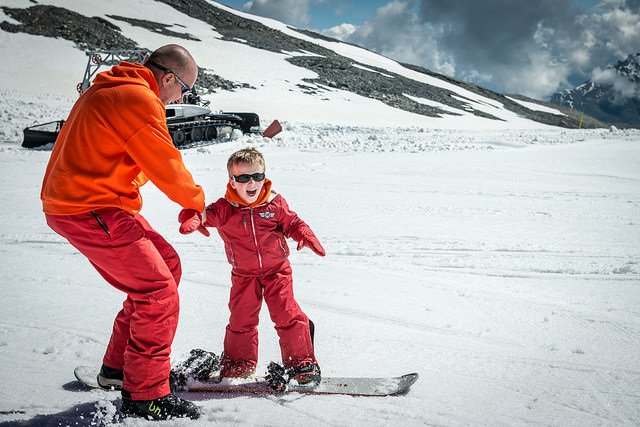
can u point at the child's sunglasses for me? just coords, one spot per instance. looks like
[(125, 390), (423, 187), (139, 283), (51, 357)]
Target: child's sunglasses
[(245, 177)]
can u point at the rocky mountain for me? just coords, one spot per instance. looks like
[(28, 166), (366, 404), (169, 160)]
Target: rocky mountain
[(334, 71), (612, 95)]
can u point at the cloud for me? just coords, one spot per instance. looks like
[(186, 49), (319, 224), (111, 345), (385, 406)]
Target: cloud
[(623, 88), (397, 32), (293, 12), (617, 27), (340, 32), (509, 45), (534, 47)]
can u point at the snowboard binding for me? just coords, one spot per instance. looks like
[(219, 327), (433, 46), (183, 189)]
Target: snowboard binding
[(278, 377), (199, 366)]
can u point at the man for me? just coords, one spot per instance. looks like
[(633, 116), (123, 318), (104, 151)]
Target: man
[(113, 142)]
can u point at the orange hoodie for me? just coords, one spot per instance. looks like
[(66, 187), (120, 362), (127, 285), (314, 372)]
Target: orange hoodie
[(113, 142)]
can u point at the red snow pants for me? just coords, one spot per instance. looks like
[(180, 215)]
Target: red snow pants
[(131, 256), (291, 324)]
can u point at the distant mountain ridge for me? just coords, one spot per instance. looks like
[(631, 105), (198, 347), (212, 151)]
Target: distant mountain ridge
[(334, 71), (613, 96)]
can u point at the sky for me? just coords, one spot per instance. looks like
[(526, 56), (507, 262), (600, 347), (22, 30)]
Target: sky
[(534, 47)]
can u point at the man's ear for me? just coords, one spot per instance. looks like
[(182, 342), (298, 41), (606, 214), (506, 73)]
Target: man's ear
[(232, 183), (166, 79)]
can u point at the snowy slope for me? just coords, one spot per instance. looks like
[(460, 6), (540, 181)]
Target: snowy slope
[(275, 80), (500, 262), (507, 278)]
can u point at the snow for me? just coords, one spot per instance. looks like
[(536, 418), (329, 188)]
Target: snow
[(537, 107), (501, 263), (356, 65)]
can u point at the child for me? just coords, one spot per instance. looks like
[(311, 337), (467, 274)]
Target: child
[(253, 222)]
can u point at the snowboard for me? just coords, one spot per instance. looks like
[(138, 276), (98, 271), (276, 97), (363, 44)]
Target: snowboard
[(329, 385), (258, 385)]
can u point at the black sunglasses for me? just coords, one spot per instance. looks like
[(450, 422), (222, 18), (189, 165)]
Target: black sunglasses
[(164, 69), (245, 177)]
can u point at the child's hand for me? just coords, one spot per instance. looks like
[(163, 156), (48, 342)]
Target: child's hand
[(311, 241), (192, 220)]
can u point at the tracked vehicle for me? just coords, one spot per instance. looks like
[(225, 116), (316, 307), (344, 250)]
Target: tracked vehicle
[(190, 123)]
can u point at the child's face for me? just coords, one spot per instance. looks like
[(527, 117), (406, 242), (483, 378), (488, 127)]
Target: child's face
[(249, 191)]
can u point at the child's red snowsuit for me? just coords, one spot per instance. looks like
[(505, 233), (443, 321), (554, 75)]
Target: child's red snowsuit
[(254, 240)]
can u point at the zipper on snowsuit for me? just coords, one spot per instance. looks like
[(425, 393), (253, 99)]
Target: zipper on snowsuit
[(255, 238)]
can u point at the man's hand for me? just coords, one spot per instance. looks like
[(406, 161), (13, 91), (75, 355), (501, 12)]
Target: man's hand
[(311, 241), (192, 220)]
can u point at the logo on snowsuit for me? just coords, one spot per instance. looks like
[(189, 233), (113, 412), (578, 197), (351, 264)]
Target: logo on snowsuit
[(267, 214)]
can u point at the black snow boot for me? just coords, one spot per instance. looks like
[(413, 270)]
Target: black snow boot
[(164, 408), (110, 378)]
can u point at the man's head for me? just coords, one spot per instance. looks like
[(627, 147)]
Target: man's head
[(246, 173), (175, 71)]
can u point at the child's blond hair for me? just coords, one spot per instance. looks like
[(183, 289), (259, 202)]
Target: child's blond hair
[(248, 155)]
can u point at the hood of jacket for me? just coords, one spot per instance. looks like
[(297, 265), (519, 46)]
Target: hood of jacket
[(128, 73), (265, 195)]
